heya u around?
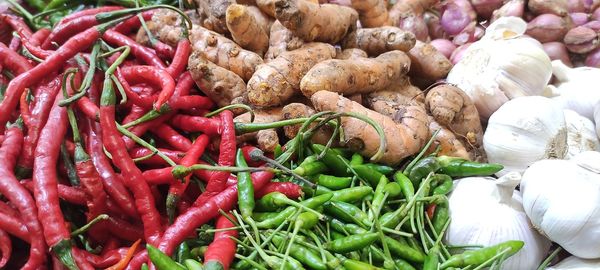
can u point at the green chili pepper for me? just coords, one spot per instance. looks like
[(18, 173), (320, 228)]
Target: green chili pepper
[(161, 260), (144, 267), (304, 255), (393, 189), (310, 166), (351, 243), (368, 174), (403, 265), (192, 264), (378, 197), (403, 251), (433, 259), (282, 216), (336, 235), (334, 161), (268, 202), (444, 185), (440, 216), (383, 169), (422, 168), (349, 195), (37, 4), (458, 167), (479, 256), (333, 182), (408, 190), (356, 159), (278, 151), (347, 212), (183, 252), (260, 216), (245, 188), (350, 264)]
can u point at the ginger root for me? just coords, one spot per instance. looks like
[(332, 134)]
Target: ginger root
[(313, 22), (428, 62), (299, 110), (362, 137), (224, 52), (447, 142), (248, 29), (357, 75), (351, 54), (214, 14), (267, 139), (372, 13), (277, 81), (221, 85), (376, 41), (452, 108), (281, 39)]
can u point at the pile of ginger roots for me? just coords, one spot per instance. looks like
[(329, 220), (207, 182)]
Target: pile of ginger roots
[(291, 58)]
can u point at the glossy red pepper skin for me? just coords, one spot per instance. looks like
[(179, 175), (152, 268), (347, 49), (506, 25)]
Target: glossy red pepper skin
[(208, 126), (14, 226), (20, 197), (5, 248), (64, 31), (172, 137), (152, 75), (155, 160), (289, 189), (38, 37), (86, 12), (133, 23), (180, 59), (222, 250), (13, 61), (139, 51)]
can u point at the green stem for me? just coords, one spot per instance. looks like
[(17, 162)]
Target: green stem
[(87, 226), (145, 144), (549, 259), (420, 155)]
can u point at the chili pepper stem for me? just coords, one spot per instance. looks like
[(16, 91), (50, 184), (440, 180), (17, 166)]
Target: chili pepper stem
[(87, 226)]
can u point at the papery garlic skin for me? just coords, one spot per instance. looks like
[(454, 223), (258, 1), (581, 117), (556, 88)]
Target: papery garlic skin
[(485, 211), (574, 263), (501, 66), (581, 134), (525, 130), (597, 118), (562, 200), (577, 88)]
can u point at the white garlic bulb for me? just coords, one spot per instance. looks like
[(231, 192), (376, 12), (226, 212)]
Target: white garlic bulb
[(525, 130), (577, 88), (562, 200), (486, 211), (597, 118), (581, 134), (501, 66), (574, 263)]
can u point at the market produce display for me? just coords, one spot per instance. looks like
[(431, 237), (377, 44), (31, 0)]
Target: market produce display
[(299, 134)]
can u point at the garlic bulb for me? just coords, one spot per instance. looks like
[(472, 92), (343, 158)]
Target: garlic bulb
[(581, 134), (485, 211), (525, 130), (501, 66), (597, 118), (577, 88), (562, 200), (574, 263)]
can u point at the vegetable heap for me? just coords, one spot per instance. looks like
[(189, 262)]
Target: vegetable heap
[(278, 134)]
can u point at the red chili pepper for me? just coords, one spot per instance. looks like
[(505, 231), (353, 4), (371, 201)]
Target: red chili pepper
[(125, 260), (24, 109), (177, 188), (14, 226), (20, 197), (208, 126), (113, 184), (14, 44), (38, 37), (17, 24), (141, 129), (5, 248), (139, 51), (85, 105), (13, 61), (172, 137), (44, 99), (66, 193), (180, 58), (431, 210), (246, 149), (54, 62), (123, 229), (191, 102), (133, 23), (227, 148), (132, 175), (45, 183), (164, 51), (81, 259), (289, 189), (155, 160), (152, 75), (85, 12), (198, 215), (64, 31), (5, 208), (222, 250), (35, 50), (107, 259)]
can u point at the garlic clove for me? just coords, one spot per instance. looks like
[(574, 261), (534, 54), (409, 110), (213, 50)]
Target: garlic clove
[(574, 263), (581, 134), (597, 118), (525, 130)]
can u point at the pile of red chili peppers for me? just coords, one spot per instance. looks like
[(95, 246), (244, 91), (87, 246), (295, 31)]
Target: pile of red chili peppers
[(66, 92)]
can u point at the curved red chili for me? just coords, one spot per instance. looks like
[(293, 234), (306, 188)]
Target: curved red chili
[(180, 58), (85, 12), (222, 250), (156, 76), (5, 248), (14, 226), (150, 158), (227, 151), (17, 24), (289, 189), (208, 126), (13, 61), (139, 51), (172, 137), (133, 23), (38, 37), (66, 193), (20, 197)]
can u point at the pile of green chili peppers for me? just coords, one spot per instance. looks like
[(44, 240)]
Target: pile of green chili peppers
[(359, 216)]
